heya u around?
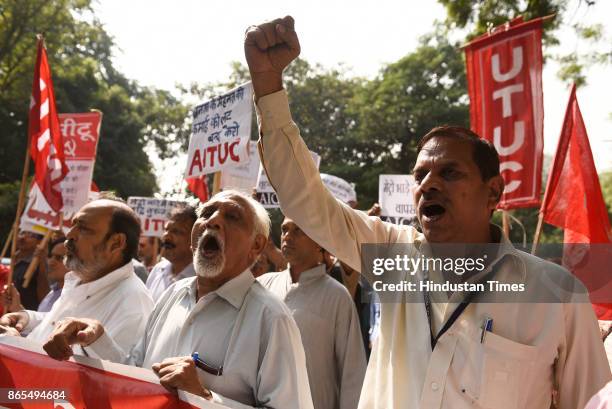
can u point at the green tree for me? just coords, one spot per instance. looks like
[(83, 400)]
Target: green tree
[(479, 16), (80, 53)]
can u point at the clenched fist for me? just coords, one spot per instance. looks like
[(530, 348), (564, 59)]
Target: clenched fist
[(269, 48)]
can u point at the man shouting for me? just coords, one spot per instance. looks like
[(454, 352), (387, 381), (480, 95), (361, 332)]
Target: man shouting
[(453, 353)]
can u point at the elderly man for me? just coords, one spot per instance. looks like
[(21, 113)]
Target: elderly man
[(250, 353), (101, 284), (458, 353), (176, 250), (326, 317)]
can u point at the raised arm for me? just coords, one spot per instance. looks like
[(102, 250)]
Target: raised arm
[(269, 48)]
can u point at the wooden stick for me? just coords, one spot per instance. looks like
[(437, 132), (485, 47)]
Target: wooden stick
[(34, 263), (20, 205), (536, 237), (506, 223), (216, 183), (8, 241)]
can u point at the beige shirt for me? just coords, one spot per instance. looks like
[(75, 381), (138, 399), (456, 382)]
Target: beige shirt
[(533, 349), (119, 300), (329, 327), (240, 327)]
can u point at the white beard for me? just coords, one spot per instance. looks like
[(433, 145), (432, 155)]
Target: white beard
[(205, 267)]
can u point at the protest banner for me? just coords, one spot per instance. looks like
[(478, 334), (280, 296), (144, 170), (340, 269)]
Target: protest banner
[(396, 200), (220, 132), (340, 188), (153, 213), (81, 134), (504, 71), (243, 177), (265, 192), (29, 378)]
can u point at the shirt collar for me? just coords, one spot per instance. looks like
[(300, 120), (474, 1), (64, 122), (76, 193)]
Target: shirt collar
[(236, 289), (71, 280), (310, 274)]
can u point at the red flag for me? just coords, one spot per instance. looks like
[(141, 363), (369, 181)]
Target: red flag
[(574, 202), (46, 143), (504, 72), (198, 186)]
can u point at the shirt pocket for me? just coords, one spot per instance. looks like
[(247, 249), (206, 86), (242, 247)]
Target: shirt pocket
[(507, 369)]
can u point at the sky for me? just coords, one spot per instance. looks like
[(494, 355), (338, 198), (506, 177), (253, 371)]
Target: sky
[(162, 43)]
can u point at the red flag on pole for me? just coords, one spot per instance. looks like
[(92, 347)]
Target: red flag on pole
[(198, 186), (574, 202), (504, 72), (45, 138)]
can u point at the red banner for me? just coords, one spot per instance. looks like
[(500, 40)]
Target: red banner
[(80, 133), (504, 71), (30, 379)]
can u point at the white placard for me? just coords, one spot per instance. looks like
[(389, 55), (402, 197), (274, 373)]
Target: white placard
[(395, 196), (153, 213), (265, 192), (243, 177), (220, 132), (340, 188)]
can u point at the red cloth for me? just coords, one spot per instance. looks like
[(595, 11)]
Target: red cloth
[(504, 72), (573, 201), (198, 186), (46, 142), (85, 386)]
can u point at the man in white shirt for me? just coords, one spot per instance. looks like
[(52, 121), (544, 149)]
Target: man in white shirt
[(101, 284), (177, 261), (483, 353), (250, 352), (326, 316)]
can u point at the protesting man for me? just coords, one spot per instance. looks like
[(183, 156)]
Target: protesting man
[(250, 353), (38, 287), (326, 317), (176, 250), (455, 354), (56, 270), (101, 283), (147, 251)]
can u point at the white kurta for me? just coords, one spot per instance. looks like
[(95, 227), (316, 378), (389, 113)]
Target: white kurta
[(161, 277), (119, 300), (533, 349), (329, 328), (240, 327)]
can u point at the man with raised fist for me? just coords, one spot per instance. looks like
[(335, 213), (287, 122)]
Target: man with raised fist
[(462, 350)]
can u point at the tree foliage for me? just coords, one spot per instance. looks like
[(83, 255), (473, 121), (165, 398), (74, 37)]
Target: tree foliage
[(479, 16), (80, 56)]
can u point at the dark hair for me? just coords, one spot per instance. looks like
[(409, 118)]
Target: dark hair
[(125, 221), (54, 243), (184, 213), (483, 152)]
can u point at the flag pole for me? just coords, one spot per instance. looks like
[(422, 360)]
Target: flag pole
[(506, 223), (536, 237), (7, 242), (216, 183), (20, 205), (36, 260)]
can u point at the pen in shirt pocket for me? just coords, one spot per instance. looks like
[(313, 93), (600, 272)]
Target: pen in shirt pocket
[(487, 326), (204, 366)]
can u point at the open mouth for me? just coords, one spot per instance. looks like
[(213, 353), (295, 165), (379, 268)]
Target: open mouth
[(433, 211), (210, 246), (167, 245)]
